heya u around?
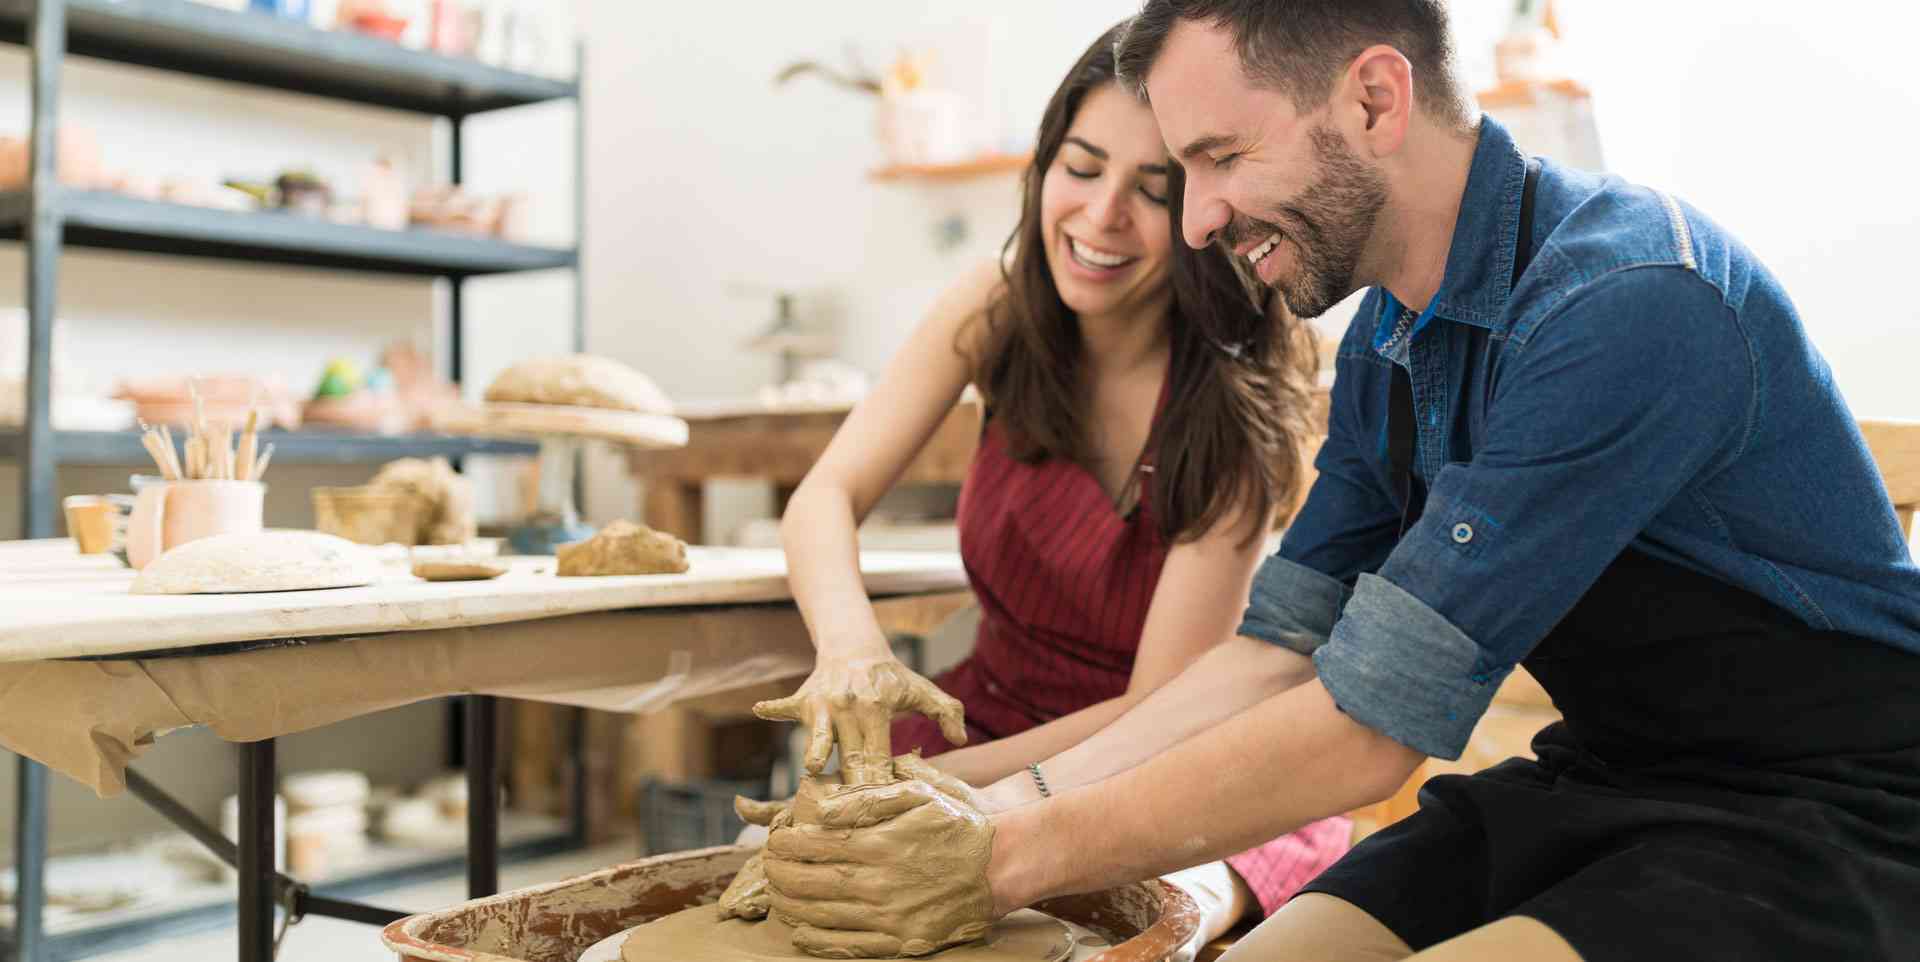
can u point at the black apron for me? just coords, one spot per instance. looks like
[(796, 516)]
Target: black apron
[(1727, 783)]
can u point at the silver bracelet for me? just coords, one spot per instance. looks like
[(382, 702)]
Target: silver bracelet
[(1039, 780)]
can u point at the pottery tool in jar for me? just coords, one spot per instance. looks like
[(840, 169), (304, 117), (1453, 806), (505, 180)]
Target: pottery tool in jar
[(210, 452)]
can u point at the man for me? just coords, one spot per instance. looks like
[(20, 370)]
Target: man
[(1575, 425)]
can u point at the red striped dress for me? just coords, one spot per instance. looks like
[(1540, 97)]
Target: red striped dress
[(1064, 581)]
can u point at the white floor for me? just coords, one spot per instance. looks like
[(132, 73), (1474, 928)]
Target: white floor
[(332, 940)]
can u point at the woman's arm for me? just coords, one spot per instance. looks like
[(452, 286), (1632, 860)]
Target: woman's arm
[(857, 685), (1196, 605)]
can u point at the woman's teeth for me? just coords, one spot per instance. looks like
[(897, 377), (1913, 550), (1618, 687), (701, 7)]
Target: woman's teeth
[(1258, 254), (1096, 258)]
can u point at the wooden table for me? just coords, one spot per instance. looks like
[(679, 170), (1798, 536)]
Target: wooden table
[(748, 441), (117, 669)]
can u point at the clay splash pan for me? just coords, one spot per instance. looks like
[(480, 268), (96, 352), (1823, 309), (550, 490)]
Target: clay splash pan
[(556, 922)]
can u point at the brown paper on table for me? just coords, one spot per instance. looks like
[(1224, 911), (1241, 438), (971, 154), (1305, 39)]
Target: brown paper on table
[(89, 719)]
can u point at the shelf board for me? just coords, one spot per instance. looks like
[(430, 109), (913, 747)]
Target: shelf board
[(267, 51), (986, 165), (1522, 94), (110, 221), (313, 446)]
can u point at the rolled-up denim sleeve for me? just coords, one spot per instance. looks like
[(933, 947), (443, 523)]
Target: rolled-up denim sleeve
[(1293, 606), (1346, 526), (1614, 404)]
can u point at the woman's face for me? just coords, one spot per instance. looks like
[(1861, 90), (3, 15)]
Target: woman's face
[(1103, 207)]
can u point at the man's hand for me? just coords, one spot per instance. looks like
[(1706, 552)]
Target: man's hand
[(876, 871), (853, 701)]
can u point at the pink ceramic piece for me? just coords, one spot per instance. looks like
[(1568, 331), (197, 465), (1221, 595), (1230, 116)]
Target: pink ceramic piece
[(166, 516)]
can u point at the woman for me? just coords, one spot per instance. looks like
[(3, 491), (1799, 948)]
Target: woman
[(1113, 515)]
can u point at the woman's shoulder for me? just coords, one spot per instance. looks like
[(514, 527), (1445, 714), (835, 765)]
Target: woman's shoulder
[(963, 308)]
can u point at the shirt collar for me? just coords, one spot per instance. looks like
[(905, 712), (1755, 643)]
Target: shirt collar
[(1479, 276)]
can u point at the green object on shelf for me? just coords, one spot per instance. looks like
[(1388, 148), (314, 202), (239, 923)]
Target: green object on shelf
[(341, 379)]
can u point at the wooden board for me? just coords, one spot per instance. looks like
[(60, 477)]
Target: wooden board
[(501, 419), (62, 605), (1896, 451)]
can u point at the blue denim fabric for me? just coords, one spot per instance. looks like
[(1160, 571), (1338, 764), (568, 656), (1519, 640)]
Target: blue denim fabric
[(1647, 383)]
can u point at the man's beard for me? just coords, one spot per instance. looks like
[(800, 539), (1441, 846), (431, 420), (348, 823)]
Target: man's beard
[(1329, 224)]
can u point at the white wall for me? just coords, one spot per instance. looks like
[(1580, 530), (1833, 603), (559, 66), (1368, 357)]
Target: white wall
[(1792, 124), (1772, 116)]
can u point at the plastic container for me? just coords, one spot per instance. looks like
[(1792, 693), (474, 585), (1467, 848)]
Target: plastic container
[(676, 817), (1145, 921)]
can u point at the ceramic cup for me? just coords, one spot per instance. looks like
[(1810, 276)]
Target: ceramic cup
[(90, 520), (168, 515)]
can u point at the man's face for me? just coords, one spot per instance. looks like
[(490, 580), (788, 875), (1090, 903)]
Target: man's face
[(1282, 189)]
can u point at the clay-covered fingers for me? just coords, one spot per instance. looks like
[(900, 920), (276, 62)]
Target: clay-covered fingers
[(944, 709), (810, 711), (912, 766), (830, 846), (854, 722), (843, 944), (822, 883), (862, 806), (747, 896), (755, 812)]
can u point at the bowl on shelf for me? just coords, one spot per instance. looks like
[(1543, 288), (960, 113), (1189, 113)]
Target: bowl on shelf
[(377, 24)]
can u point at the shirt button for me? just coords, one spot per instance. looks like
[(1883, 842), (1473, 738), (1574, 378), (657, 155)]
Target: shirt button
[(1462, 533)]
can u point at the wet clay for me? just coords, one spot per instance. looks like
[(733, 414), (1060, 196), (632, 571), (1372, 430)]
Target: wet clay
[(624, 548), (699, 935), (459, 570), (880, 871)]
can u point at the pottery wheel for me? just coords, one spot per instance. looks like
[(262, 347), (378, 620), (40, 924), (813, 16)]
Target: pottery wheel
[(698, 935)]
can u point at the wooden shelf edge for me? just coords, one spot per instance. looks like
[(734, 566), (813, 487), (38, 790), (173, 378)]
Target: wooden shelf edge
[(1525, 94)]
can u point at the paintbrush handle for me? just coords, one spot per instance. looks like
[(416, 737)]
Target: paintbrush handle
[(260, 468)]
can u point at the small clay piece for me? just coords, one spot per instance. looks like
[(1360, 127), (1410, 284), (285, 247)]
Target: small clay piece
[(579, 380), (265, 561), (700, 933), (624, 548), (459, 569), (446, 498)]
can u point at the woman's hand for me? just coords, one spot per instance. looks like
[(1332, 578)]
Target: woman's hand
[(853, 700)]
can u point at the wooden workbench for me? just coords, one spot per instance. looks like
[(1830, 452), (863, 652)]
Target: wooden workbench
[(91, 675)]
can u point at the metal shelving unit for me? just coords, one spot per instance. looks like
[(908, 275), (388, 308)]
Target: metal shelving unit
[(257, 50), (122, 448)]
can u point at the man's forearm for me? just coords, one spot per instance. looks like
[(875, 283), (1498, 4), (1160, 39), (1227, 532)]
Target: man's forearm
[(1227, 679), (1287, 761)]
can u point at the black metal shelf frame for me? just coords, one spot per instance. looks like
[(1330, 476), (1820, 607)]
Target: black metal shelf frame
[(242, 47)]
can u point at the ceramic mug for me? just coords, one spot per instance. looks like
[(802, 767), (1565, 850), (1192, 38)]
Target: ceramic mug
[(168, 515)]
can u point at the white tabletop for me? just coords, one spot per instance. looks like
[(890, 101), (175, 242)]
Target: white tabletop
[(58, 604)]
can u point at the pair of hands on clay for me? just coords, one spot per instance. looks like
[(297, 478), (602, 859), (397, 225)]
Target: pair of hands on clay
[(872, 871), (851, 701)]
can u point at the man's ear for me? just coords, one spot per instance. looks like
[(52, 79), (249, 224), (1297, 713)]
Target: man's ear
[(1377, 96)]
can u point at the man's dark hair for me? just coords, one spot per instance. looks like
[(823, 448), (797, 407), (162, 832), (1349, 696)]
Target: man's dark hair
[(1300, 47)]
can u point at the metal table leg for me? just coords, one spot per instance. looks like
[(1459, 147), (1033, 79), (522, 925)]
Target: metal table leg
[(483, 796), (30, 861), (256, 866)]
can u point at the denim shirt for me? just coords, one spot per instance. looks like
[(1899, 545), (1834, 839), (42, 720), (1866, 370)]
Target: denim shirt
[(1646, 383)]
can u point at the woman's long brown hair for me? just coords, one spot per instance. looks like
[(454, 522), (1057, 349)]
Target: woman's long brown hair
[(1237, 412)]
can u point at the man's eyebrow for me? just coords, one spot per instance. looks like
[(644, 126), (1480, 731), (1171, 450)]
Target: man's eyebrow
[(1155, 169), (1089, 148), (1210, 142)]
